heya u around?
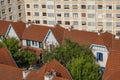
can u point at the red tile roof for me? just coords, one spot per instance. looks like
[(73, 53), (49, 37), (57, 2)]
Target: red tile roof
[(60, 70), (3, 27), (6, 57), (80, 37), (113, 66), (35, 32), (10, 73), (19, 28)]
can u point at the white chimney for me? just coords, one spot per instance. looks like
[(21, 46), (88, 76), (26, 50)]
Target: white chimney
[(25, 73), (28, 25), (49, 75)]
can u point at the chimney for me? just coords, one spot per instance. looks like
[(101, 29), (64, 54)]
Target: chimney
[(25, 73), (117, 36), (70, 28), (49, 75), (100, 31), (28, 24)]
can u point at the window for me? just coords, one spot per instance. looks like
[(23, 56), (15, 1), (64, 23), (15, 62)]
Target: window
[(118, 7), (66, 6), (44, 14), (36, 14), (100, 24), (108, 15), (83, 14), (50, 6), (108, 7), (83, 23), (40, 45), (75, 22), (58, 6), (99, 56), (100, 6), (59, 22), (117, 24), (91, 7), (19, 14), (43, 6), (91, 23), (10, 10), (50, 14), (67, 22), (108, 23), (19, 6), (37, 21), (10, 17), (117, 15), (75, 15), (75, 6), (44, 21), (91, 15), (28, 42), (36, 6), (66, 14), (27, 5), (59, 14), (83, 6), (28, 13)]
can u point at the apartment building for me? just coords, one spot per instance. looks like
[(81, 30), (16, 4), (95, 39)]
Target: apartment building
[(90, 15)]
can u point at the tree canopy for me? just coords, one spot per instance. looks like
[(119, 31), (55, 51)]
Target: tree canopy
[(78, 59)]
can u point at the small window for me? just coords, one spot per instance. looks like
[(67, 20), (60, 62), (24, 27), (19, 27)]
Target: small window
[(99, 56)]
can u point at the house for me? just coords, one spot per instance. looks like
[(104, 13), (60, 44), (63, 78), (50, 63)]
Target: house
[(12, 29), (52, 70), (112, 71), (10, 73), (39, 37), (6, 57)]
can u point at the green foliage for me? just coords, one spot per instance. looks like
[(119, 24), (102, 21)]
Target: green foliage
[(77, 58), (25, 58), (2, 45), (84, 68), (11, 44)]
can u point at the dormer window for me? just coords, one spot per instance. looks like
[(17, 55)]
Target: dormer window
[(99, 56)]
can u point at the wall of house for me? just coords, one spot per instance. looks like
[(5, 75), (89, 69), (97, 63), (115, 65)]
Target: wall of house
[(11, 33), (34, 44), (50, 39), (100, 49)]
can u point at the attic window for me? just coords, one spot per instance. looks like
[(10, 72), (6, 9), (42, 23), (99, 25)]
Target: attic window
[(99, 56)]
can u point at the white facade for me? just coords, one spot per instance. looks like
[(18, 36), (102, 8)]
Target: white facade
[(48, 40), (11, 32), (100, 49)]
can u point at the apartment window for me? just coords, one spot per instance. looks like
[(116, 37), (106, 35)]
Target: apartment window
[(40, 45), (99, 56), (75, 22), (118, 7), (117, 15), (75, 6), (19, 6), (67, 22), (99, 15), (117, 24), (83, 14), (28, 5), (83, 23), (36, 14), (36, 6), (37, 21), (75, 15), (100, 6), (43, 6), (100, 24), (44, 14), (50, 6), (91, 23), (3, 11), (20, 14), (83, 6), (59, 22), (10, 10), (59, 14), (66, 6), (108, 7), (51, 22), (58, 6), (108, 23), (108, 15), (44, 21), (9, 1), (50, 14), (2, 2), (28, 13), (10, 17), (91, 15), (66, 14), (91, 7)]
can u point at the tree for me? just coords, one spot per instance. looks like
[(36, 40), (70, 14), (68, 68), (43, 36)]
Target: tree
[(78, 59), (2, 45), (25, 58), (84, 68)]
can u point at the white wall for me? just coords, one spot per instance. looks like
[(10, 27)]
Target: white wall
[(11, 32), (50, 39), (101, 49)]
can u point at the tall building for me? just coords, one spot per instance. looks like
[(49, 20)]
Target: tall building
[(90, 15)]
